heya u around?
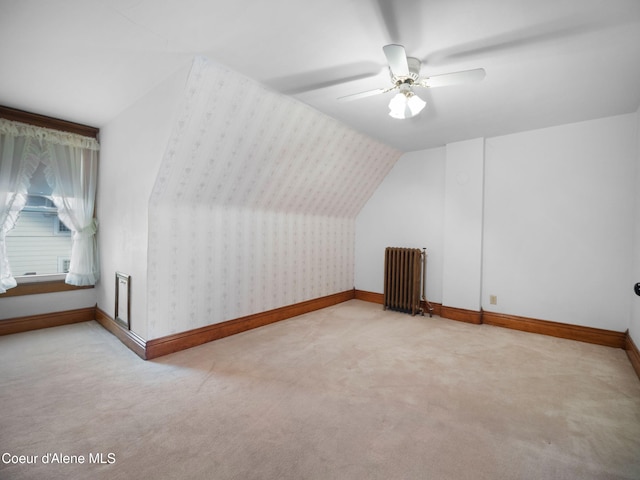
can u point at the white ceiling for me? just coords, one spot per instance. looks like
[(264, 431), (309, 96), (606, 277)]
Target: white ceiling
[(548, 62)]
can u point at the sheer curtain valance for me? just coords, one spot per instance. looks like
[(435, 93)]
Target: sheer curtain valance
[(71, 169)]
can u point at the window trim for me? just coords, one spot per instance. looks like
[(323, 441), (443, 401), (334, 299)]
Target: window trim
[(48, 122), (44, 284), (45, 277)]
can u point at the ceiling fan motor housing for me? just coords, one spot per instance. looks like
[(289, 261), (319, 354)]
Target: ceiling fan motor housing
[(414, 72)]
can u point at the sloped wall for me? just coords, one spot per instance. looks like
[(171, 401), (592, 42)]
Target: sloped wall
[(254, 204)]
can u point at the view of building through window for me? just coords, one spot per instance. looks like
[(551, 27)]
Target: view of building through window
[(39, 244)]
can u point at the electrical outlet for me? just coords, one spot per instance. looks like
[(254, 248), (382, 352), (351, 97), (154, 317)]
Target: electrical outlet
[(493, 299)]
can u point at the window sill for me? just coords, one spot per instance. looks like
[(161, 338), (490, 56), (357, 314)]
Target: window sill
[(40, 286)]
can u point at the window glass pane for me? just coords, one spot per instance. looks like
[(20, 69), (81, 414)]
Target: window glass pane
[(39, 244)]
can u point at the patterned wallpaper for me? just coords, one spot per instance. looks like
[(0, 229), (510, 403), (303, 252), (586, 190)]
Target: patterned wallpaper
[(254, 205)]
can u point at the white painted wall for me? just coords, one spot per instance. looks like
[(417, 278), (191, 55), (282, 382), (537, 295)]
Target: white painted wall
[(405, 211), (561, 207), (461, 281), (634, 326), (133, 145), (27, 305), (559, 222)]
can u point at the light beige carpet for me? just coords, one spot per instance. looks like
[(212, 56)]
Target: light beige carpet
[(349, 392)]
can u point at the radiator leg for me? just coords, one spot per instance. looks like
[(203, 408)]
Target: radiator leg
[(424, 284)]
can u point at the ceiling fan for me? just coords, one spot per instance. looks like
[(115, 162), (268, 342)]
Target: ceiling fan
[(405, 74)]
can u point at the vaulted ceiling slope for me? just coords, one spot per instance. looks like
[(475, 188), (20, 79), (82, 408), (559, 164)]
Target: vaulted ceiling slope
[(547, 62), (238, 144)]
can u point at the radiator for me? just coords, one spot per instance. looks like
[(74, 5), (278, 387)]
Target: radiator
[(405, 280)]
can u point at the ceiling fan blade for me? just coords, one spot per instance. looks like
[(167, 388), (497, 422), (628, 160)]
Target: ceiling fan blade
[(397, 58), (323, 78), (401, 21), (368, 93), (553, 32), (455, 78)]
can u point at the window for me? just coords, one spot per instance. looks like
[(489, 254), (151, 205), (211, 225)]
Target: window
[(60, 228), (39, 238), (47, 196), (63, 264)]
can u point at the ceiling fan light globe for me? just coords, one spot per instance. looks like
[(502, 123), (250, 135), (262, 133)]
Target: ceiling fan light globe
[(400, 115), (404, 106), (416, 104), (398, 102)]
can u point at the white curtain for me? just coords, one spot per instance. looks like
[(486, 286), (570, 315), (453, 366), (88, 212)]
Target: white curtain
[(72, 172), (18, 160), (72, 164)]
